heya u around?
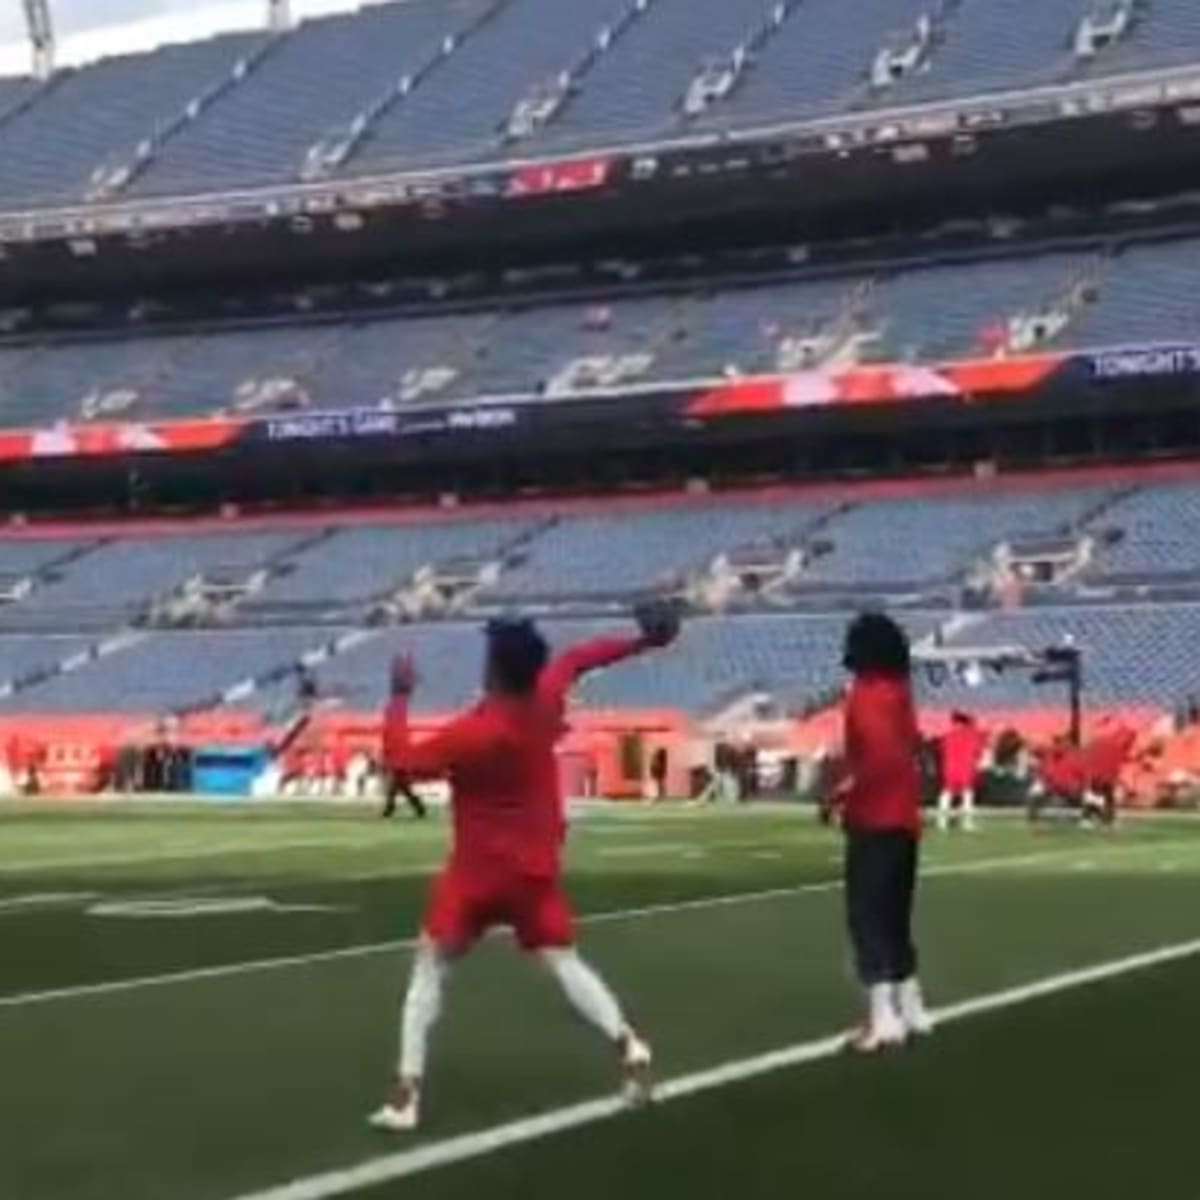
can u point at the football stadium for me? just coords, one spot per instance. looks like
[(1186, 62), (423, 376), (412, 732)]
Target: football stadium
[(620, 578)]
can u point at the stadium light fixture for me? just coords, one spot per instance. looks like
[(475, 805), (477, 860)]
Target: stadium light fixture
[(279, 14), (41, 36)]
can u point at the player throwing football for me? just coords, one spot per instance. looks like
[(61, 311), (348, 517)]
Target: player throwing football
[(505, 867)]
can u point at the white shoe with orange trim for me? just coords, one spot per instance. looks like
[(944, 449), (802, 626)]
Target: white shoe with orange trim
[(401, 1113)]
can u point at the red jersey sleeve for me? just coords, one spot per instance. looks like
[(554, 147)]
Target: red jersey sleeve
[(463, 742), (564, 671)]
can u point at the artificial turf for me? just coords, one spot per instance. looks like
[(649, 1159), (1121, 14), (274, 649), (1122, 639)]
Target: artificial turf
[(206, 1088)]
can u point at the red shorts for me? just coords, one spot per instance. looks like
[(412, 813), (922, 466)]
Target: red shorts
[(957, 784), (464, 906)]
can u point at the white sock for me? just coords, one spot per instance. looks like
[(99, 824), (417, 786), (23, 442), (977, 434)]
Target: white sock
[(945, 805), (908, 996), (588, 994), (883, 1012), (968, 808), (422, 1007)]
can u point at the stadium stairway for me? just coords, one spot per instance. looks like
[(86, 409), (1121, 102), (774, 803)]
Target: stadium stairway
[(321, 78), (53, 147), (113, 177), (543, 100), (638, 88), (385, 132)]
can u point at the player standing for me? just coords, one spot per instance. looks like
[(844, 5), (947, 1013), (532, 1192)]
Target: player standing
[(962, 752), (881, 815), (509, 827)]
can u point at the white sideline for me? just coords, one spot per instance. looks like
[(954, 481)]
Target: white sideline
[(182, 852), (366, 949), (389, 1167)]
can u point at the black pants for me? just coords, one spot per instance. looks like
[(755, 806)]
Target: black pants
[(397, 786), (881, 880)]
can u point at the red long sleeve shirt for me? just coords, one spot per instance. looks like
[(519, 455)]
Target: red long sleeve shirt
[(882, 740), (499, 760)]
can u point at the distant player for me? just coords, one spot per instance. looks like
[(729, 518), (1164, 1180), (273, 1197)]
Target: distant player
[(962, 750), (1106, 759), (509, 826), (396, 785), (881, 815)]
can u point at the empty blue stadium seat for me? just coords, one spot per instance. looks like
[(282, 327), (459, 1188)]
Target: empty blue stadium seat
[(125, 576), (374, 562), (318, 79), (639, 86), (313, 83), (167, 671), (714, 661), (1159, 530), (25, 557), (819, 61), (1138, 654), (21, 655), (998, 45), (460, 109), (913, 541), (1166, 32), (98, 114), (618, 554)]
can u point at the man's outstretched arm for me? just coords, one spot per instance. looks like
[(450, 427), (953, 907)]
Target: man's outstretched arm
[(658, 626)]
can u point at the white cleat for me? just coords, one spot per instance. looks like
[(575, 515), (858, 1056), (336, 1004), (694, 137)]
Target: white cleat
[(401, 1113), (910, 1003), (919, 1023), (637, 1061), (875, 1036)]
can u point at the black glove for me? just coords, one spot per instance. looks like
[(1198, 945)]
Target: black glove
[(659, 620)]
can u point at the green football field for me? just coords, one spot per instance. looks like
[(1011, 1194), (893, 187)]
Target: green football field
[(201, 1004)]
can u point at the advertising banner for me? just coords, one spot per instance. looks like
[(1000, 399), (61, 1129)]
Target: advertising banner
[(969, 381)]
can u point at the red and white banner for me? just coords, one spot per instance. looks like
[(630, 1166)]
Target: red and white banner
[(573, 175), (886, 383)]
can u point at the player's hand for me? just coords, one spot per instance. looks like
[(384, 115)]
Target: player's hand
[(404, 675), (659, 620)]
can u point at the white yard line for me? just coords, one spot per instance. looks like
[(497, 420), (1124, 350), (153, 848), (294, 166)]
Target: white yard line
[(367, 949), (200, 849), (183, 851), (387, 1168)]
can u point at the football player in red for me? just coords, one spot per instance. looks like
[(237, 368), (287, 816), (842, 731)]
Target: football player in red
[(508, 831), (881, 815), (962, 751)]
